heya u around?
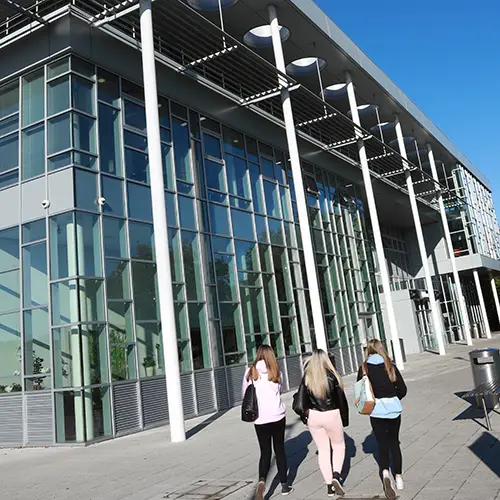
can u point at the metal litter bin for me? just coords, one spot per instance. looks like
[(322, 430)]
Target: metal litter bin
[(485, 364)]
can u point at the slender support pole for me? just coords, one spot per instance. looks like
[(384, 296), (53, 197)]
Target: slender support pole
[(436, 316), (482, 304), (495, 295), (486, 416), (377, 234), (166, 300), (305, 230), (444, 221)]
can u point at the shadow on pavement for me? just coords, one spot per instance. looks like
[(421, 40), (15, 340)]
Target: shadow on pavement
[(473, 412), (350, 453), (202, 425), (487, 449)]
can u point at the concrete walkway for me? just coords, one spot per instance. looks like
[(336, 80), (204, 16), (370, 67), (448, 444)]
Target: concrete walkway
[(447, 454)]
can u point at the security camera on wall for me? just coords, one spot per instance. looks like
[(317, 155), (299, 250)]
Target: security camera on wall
[(45, 204)]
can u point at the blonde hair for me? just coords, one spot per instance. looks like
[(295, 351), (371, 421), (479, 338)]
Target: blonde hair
[(265, 353), (316, 371), (376, 347)]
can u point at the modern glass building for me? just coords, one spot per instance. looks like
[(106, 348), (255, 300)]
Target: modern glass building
[(308, 202)]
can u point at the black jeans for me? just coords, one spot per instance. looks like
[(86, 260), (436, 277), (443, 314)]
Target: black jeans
[(386, 432), (266, 433)]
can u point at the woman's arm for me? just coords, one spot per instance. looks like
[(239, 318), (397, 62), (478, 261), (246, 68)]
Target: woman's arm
[(401, 389), (244, 384)]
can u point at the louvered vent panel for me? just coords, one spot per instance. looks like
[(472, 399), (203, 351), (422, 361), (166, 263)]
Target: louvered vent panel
[(11, 420), (294, 366), (39, 412), (188, 395), (205, 397), (126, 408), (154, 401)]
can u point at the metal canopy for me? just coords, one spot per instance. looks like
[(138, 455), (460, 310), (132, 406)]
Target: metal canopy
[(201, 49)]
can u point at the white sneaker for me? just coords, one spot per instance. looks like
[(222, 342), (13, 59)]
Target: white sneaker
[(400, 485)]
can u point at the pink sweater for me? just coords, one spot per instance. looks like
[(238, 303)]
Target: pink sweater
[(271, 407)]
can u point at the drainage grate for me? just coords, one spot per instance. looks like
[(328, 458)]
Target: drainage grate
[(208, 490)]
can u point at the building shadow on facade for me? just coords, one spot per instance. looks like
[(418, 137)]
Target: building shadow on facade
[(487, 449)]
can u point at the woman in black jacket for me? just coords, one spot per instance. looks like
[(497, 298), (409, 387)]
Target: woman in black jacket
[(389, 389), (322, 405)]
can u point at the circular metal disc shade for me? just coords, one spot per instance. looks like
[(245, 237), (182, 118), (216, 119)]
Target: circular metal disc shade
[(384, 127), (407, 141), (305, 66), (260, 37), (336, 91), (365, 109), (210, 5)]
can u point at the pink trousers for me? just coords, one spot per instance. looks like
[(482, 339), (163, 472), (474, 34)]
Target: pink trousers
[(328, 433)]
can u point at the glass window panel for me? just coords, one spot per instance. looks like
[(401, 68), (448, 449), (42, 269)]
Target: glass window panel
[(91, 300), (115, 238), (233, 141), (9, 179), (84, 133), (132, 90), (35, 278), (252, 151), (9, 125), (276, 232), (215, 175), (64, 302), (136, 141), (88, 244), (258, 202), (33, 97), (117, 279), (150, 349), (9, 99), (83, 94), (37, 343), (231, 328), (164, 111), (84, 160), (261, 227), (212, 146), (85, 190), (267, 168), (200, 343), (242, 224), (181, 150), (145, 291), (34, 231), (10, 349), (59, 134), (83, 67), (285, 204), (179, 110), (33, 152), (108, 87), (237, 176), (137, 165), (110, 156), (59, 161), (246, 256), (168, 166), (9, 249), (209, 124), (58, 68), (192, 265), (219, 221), (69, 417), (62, 230), (171, 209), (112, 191), (67, 371), (272, 199), (226, 278), (186, 212), (281, 167), (252, 308), (94, 352), (141, 241), (9, 152), (139, 202), (175, 255), (121, 341), (10, 292), (135, 116), (58, 95), (222, 245), (100, 412)]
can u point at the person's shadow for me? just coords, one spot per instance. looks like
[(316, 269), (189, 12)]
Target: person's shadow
[(370, 447), (350, 453), (296, 450)]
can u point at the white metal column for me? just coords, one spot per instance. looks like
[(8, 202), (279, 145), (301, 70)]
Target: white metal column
[(377, 234), (449, 244), (436, 315), (495, 295), (166, 299), (293, 149), (482, 304)]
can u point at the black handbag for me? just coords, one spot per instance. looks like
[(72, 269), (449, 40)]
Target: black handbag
[(300, 403), (250, 406)]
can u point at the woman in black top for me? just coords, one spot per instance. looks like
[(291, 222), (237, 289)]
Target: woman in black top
[(388, 389), (322, 405)]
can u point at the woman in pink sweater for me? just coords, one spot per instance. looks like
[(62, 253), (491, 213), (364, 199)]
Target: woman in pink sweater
[(265, 374)]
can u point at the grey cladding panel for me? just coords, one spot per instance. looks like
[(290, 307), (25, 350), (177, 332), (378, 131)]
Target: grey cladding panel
[(39, 410), (188, 402), (154, 401), (235, 376), (126, 407), (205, 397), (61, 191), (294, 365), (33, 193), (221, 388), (9, 201), (11, 420)]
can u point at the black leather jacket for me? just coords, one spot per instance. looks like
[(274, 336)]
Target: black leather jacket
[(331, 399)]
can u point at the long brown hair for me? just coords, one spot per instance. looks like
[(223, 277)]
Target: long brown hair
[(316, 372), (265, 353), (376, 347)]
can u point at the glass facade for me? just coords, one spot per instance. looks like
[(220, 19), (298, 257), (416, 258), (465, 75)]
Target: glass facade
[(80, 312)]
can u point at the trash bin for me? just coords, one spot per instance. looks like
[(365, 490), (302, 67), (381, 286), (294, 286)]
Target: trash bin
[(485, 364), (475, 331)]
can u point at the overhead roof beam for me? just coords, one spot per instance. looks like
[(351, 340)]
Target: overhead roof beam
[(23, 10)]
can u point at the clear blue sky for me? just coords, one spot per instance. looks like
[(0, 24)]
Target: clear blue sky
[(445, 55)]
